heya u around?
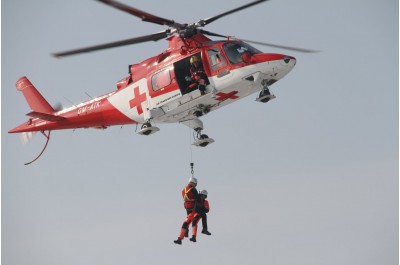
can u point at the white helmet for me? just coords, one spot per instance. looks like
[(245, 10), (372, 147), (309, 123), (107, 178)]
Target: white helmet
[(204, 192), (193, 180)]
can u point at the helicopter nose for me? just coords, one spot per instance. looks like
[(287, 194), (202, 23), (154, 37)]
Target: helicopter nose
[(289, 60)]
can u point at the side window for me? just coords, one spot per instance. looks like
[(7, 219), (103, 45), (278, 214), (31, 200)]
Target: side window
[(216, 59), (161, 79)]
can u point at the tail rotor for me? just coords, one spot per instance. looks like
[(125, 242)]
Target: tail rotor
[(26, 137)]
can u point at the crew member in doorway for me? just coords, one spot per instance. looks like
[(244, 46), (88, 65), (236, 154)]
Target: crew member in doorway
[(198, 77)]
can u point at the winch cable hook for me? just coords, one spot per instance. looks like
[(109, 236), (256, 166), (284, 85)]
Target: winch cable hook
[(191, 167)]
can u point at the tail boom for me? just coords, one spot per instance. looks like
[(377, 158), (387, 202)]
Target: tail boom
[(34, 125), (95, 113)]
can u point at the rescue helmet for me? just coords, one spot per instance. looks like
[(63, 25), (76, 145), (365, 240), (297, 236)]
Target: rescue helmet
[(193, 180), (203, 192), (194, 59)]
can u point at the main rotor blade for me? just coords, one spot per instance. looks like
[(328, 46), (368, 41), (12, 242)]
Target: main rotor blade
[(260, 43), (152, 37), (209, 33), (212, 19), (281, 46), (139, 13)]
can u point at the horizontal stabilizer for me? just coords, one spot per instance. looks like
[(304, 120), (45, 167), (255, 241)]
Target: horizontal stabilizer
[(45, 116)]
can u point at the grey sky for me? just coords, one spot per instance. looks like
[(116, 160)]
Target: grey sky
[(309, 178)]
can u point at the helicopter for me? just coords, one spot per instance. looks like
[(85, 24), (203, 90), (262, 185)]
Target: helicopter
[(162, 89)]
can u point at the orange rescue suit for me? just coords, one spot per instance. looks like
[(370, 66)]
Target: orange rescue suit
[(194, 218), (190, 195)]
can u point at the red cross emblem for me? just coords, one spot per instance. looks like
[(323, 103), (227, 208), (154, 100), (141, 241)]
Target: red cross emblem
[(223, 96), (137, 100)]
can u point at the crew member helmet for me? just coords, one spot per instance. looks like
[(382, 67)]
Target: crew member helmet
[(204, 192), (194, 59), (193, 180)]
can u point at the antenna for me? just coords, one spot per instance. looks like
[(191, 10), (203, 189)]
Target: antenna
[(88, 95), (69, 101)]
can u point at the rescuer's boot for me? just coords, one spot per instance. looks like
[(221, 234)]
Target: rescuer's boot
[(205, 231), (178, 241), (193, 239)]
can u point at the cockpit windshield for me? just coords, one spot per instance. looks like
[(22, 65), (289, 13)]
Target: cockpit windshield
[(235, 49)]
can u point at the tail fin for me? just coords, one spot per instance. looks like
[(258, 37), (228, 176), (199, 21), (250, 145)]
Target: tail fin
[(35, 100)]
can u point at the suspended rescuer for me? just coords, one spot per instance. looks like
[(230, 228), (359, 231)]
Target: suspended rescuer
[(201, 211), (190, 196), (201, 208)]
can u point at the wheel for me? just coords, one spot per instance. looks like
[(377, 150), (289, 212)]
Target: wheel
[(146, 125), (203, 136), (263, 93), (198, 113)]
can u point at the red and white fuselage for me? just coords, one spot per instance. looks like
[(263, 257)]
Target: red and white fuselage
[(155, 91)]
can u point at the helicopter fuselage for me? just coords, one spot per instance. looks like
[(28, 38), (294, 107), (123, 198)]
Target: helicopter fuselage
[(156, 89)]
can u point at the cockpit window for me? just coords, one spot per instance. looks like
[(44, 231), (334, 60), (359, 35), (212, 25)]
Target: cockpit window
[(234, 51)]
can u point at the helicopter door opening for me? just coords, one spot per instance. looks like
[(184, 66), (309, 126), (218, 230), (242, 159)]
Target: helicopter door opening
[(183, 74)]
